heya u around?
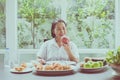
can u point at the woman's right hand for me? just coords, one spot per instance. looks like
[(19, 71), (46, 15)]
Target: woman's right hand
[(42, 61)]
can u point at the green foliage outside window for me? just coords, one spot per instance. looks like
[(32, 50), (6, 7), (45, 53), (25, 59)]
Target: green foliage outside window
[(90, 22), (34, 25), (2, 25)]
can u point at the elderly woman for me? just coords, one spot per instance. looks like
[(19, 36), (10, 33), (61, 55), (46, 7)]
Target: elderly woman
[(59, 48)]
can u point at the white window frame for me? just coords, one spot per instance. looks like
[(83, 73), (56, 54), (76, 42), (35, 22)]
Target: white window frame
[(11, 30)]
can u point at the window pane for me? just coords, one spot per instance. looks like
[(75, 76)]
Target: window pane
[(92, 23), (2, 25), (34, 21)]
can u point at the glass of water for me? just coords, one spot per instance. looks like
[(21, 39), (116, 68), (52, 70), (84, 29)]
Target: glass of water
[(7, 57)]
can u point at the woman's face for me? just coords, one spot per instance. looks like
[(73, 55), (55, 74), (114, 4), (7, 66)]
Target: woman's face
[(60, 29)]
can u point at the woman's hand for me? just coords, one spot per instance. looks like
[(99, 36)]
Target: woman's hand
[(70, 53), (66, 47), (65, 40), (42, 61)]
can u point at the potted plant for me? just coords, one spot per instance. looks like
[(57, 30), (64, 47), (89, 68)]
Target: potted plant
[(113, 60)]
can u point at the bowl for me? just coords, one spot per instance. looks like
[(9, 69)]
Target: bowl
[(116, 68)]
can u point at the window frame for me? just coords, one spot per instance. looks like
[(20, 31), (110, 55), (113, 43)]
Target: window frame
[(11, 32)]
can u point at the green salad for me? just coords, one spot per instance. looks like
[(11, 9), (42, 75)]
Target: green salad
[(113, 56)]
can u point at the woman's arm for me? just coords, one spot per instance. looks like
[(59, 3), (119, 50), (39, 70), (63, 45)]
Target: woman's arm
[(73, 56)]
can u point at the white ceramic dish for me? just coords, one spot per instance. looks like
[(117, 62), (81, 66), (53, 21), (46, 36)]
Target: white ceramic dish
[(27, 70)]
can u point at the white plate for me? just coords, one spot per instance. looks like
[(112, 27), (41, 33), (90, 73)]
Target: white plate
[(27, 70), (62, 62), (92, 70)]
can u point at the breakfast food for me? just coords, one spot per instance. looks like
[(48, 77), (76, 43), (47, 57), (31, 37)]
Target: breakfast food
[(39, 67), (92, 64), (89, 63), (21, 67), (86, 59), (53, 67), (24, 65)]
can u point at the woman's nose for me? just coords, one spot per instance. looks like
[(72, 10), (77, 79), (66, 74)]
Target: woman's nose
[(62, 31)]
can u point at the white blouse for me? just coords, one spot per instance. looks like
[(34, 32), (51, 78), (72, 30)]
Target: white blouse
[(50, 51)]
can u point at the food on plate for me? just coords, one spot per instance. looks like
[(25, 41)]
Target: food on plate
[(82, 64), (67, 67), (24, 65), (39, 67), (96, 65), (101, 63), (48, 67), (92, 64), (87, 65), (86, 59), (53, 67), (21, 67), (65, 39)]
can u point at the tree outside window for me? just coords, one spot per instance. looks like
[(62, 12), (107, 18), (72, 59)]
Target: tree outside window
[(2, 25), (91, 23)]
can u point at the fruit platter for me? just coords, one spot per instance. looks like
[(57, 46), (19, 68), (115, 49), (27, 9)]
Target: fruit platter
[(93, 65)]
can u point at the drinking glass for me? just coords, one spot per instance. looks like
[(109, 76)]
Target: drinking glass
[(7, 57)]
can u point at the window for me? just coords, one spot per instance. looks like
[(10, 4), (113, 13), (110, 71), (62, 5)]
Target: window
[(92, 24), (2, 25), (34, 22)]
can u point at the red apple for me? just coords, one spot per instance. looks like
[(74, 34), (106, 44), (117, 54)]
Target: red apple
[(65, 39)]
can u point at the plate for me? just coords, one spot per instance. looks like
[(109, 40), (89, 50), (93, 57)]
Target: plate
[(55, 72), (27, 70), (115, 74), (92, 70), (62, 62)]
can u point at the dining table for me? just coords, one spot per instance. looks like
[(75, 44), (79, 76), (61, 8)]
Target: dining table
[(106, 74)]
